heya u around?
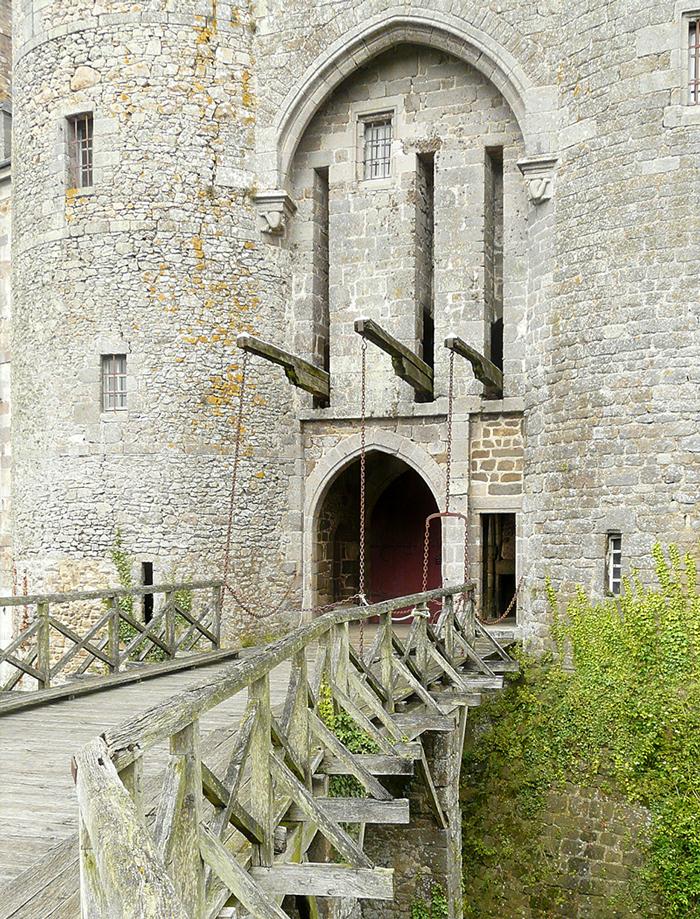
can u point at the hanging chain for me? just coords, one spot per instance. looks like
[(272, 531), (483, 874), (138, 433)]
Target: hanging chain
[(363, 481), (234, 473), (450, 403)]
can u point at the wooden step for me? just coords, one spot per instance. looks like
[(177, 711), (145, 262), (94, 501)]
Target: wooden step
[(321, 880), (357, 810)]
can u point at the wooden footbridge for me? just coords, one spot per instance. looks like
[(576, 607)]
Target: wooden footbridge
[(200, 786)]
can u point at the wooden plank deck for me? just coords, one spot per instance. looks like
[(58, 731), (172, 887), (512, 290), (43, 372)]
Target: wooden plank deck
[(38, 809)]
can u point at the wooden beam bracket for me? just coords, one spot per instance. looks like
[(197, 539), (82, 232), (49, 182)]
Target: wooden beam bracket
[(299, 372), (485, 370), (407, 365)]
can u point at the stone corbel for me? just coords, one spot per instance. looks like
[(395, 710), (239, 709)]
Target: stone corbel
[(274, 210), (539, 176)]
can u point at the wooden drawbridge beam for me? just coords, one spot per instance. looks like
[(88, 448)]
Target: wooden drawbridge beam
[(485, 371), (299, 372), (407, 365)]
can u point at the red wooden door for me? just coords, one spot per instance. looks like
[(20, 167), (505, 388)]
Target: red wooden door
[(396, 539)]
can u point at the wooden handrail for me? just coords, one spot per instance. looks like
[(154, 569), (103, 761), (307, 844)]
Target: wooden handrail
[(107, 592), (132, 738), (262, 789)]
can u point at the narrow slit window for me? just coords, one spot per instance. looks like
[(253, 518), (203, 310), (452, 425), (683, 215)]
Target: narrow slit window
[(694, 61), (613, 564), (81, 133), (113, 382), (378, 147)]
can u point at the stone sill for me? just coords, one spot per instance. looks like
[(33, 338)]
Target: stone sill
[(473, 405)]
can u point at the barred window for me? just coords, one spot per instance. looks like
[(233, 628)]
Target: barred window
[(613, 564), (378, 147), (694, 61), (80, 138), (113, 382)]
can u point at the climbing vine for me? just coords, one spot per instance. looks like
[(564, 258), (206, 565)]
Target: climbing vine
[(619, 706), (437, 908), (348, 733)]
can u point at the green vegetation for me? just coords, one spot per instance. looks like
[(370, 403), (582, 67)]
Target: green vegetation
[(437, 908), (625, 713), (348, 733)]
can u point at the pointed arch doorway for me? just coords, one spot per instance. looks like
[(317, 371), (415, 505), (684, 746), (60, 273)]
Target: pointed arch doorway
[(398, 500)]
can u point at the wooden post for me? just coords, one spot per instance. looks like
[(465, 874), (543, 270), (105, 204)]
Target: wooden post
[(341, 656), (132, 779), (170, 624), (43, 645), (420, 614), (217, 602), (91, 905), (113, 635), (297, 726), (182, 855), (261, 801), (386, 654), (449, 635)]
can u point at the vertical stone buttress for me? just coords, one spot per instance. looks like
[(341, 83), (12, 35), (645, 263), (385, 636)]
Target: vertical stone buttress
[(160, 260), (6, 571)]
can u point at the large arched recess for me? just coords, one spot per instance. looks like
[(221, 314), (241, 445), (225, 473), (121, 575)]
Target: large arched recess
[(427, 27)]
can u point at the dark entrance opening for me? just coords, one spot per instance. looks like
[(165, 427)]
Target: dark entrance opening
[(397, 501), (147, 580), (497, 564)]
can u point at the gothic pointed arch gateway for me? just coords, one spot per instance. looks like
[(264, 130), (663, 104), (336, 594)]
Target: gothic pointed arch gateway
[(533, 106)]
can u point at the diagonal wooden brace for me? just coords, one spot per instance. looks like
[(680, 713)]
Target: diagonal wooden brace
[(407, 365), (485, 371), (299, 372)]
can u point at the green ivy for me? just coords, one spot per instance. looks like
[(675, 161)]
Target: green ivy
[(626, 712), (437, 908), (349, 734)]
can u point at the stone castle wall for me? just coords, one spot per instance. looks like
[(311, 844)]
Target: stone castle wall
[(198, 108)]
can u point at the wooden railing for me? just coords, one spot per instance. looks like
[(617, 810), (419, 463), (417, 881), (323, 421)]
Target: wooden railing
[(52, 649), (236, 827)]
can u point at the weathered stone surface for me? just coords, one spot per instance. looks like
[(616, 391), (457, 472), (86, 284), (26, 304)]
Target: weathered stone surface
[(84, 78)]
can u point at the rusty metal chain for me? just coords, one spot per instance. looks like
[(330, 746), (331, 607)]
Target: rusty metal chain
[(450, 404), (363, 483), (232, 509)]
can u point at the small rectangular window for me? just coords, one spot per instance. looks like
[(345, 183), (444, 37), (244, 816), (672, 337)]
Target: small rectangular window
[(694, 61), (113, 382), (80, 140), (377, 147), (613, 564)]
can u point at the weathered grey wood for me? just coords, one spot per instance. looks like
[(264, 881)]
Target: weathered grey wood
[(237, 879), (375, 707), (299, 372), (361, 719), (72, 596), (351, 761), (372, 681), (220, 796), (414, 723), (79, 644), (356, 810), (296, 713), (433, 798), (335, 834), (485, 370), (415, 684), (260, 778), (131, 876), (386, 650), (43, 659), (132, 779), (27, 700), (407, 365), (326, 881), (373, 763), (161, 721)]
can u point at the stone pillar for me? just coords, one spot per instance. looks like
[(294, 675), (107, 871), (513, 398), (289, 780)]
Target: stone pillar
[(426, 858)]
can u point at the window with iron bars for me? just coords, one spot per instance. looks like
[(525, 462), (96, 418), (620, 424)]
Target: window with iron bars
[(113, 382), (613, 564), (377, 147), (80, 138), (694, 61)]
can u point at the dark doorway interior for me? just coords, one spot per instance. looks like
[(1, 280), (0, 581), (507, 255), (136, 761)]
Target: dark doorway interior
[(398, 502), (147, 580), (498, 564)]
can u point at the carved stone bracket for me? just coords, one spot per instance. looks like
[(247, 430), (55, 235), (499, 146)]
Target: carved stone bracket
[(274, 210), (539, 175)]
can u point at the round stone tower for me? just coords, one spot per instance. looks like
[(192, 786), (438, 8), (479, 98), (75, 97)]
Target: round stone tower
[(613, 407), (136, 262)]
